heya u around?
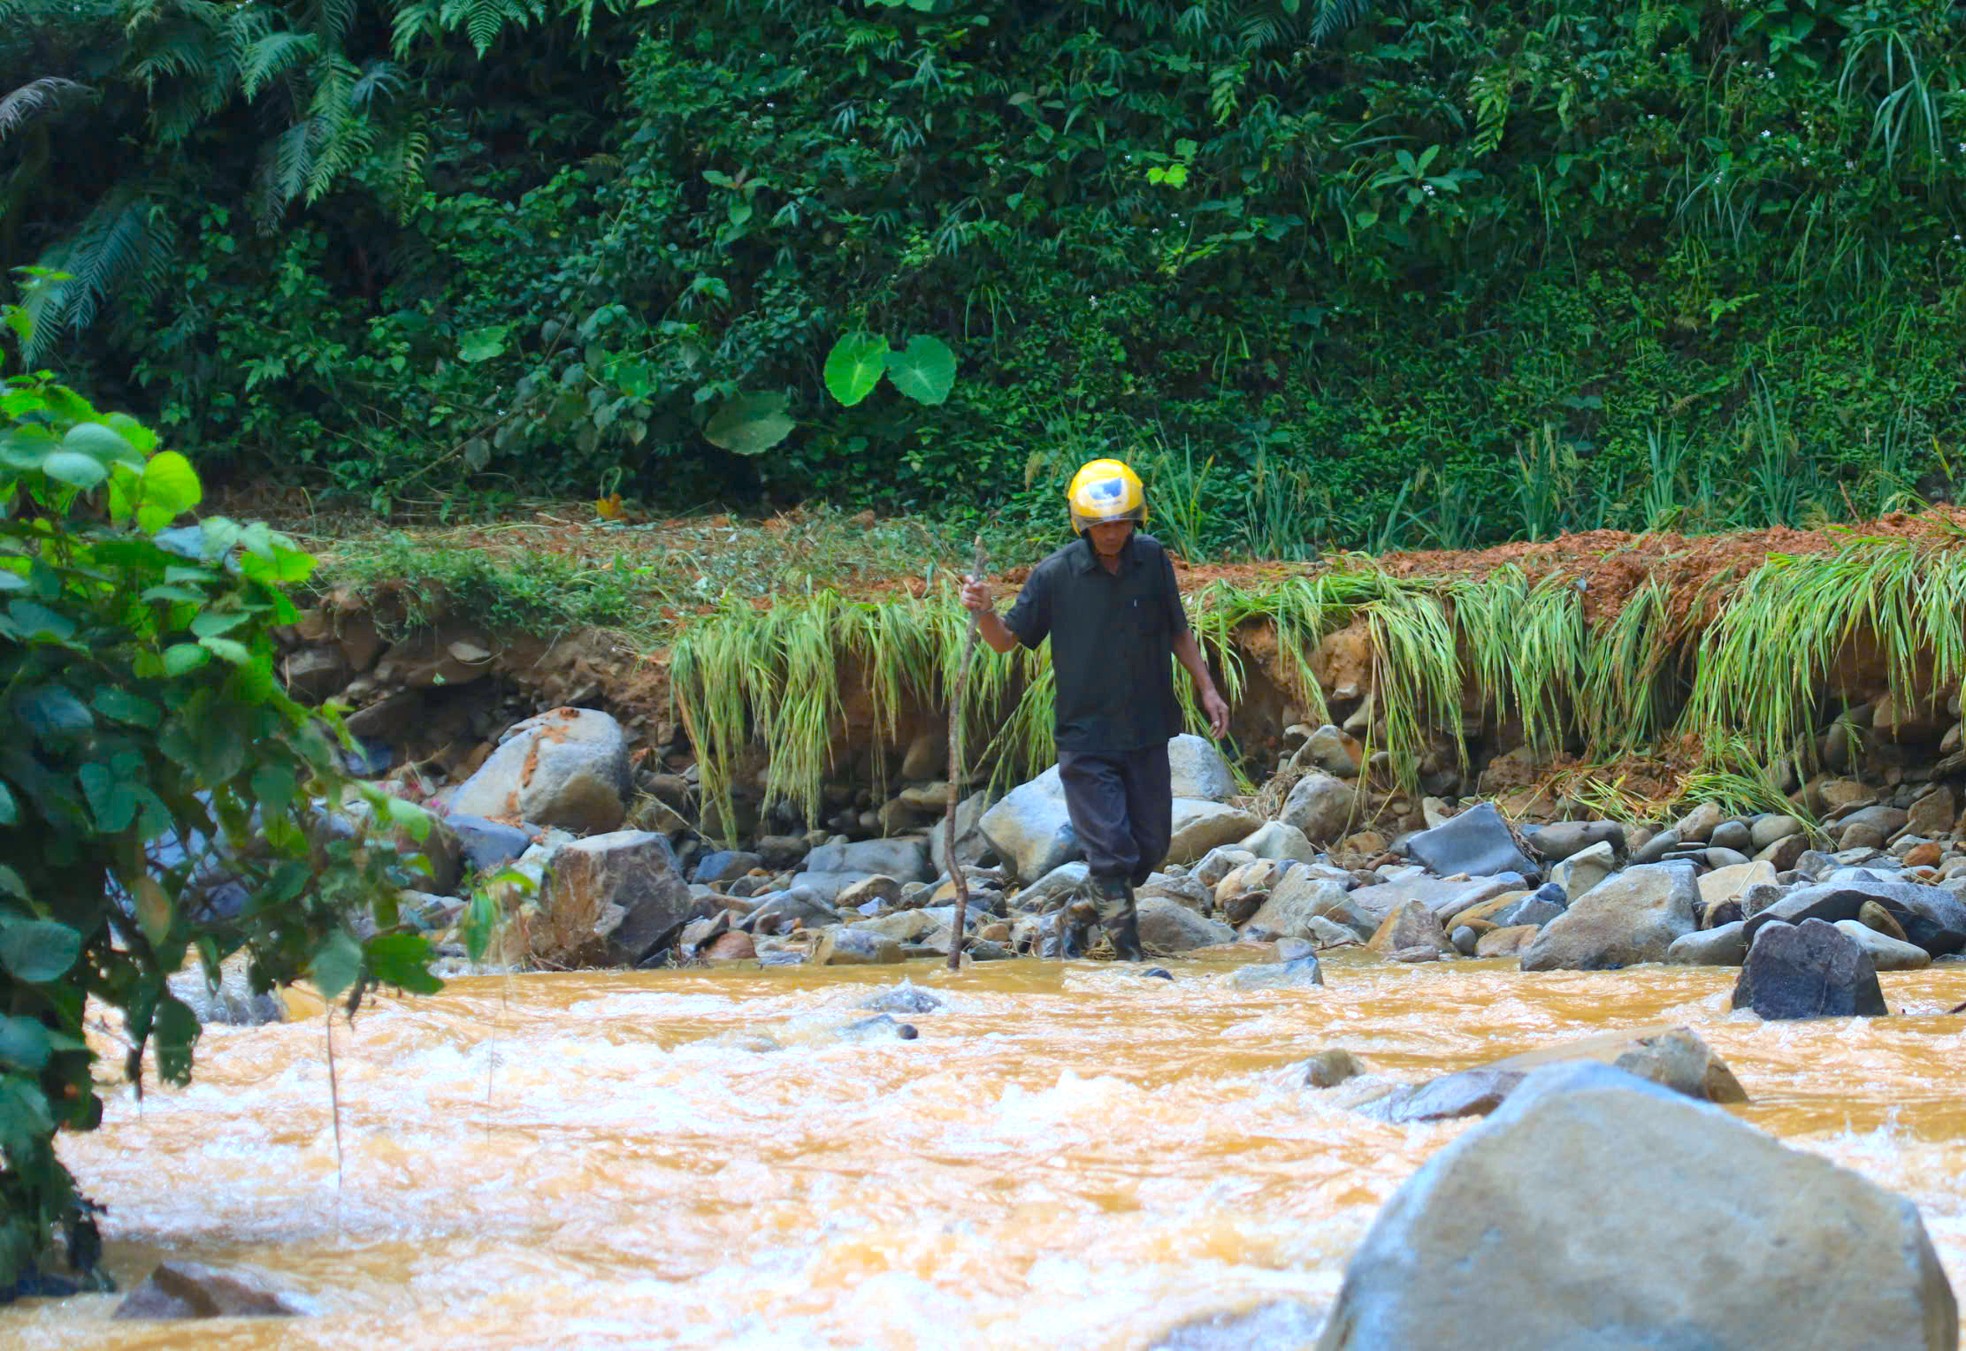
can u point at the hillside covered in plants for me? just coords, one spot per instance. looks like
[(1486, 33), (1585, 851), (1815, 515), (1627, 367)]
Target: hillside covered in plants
[(1428, 274)]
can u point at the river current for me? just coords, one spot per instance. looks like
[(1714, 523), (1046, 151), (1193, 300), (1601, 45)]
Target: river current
[(1068, 1155)]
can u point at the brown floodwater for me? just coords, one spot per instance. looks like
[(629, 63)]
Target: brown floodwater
[(1069, 1155)]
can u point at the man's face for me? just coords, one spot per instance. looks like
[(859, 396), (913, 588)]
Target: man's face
[(1110, 537)]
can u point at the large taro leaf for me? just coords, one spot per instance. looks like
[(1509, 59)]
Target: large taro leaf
[(750, 424)]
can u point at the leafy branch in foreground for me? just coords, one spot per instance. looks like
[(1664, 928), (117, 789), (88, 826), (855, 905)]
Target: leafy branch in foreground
[(160, 795)]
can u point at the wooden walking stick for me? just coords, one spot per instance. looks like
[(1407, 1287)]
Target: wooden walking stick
[(981, 562)]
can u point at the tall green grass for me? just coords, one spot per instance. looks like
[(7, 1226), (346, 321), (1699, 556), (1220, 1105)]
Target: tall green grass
[(1746, 671)]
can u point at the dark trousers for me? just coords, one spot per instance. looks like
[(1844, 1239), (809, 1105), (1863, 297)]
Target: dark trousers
[(1122, 806)]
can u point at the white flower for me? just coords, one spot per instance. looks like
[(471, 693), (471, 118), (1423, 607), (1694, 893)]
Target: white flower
[(1428, 189), (1766, 134)]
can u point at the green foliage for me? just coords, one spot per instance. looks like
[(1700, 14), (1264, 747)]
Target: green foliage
[(147, 755), (1449, 274)]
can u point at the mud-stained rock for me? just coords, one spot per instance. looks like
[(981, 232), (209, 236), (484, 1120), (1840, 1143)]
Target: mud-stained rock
[(609, 901), (840, 946), (1886, 953), (1596, 1210), (1328, 1069), (1319, 806), (1293, 903), (1510, 942), (1201, 826), (1672, 1057), (568, 767), (1296, 973), (1584, 869), (181, 1290), (1411, 925)]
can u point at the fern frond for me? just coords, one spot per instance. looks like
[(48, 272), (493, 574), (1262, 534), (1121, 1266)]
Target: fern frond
[(483, 20), (284, 169), (413, 22), (377, 78), (271, 56), (123, 244), (331, 19), (1333, 18), (34, 99)]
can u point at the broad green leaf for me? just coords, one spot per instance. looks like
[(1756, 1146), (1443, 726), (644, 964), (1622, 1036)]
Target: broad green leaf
[(119, 705), (11, 581), (226, 649), (102, 444), (11, 885), (173, 1028), (925, 370), (750, 424), (24, 1044), (406, 816), (403, 960), (53, 711), (38, 950), (184, 658), (112, 796), (273, 787), (9, 809), (170, 488), (279, 565), (75, 469), (33, 622), (855, 365), (155, 913), (25, 1120), (173, 593), (482, 344), (211, 623), (337, 964)]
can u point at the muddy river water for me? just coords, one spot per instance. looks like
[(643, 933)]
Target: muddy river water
[(1068, 1155)]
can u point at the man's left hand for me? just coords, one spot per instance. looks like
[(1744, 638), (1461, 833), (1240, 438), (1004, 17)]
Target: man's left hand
[(1217, 709)]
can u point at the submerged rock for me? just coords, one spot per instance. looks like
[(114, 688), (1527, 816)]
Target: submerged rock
[(1808, 970), (1328, 1069), (1280, 1323), (1596, 1210), (881, 1027), (907, 997), (178, 1290), (1296, 973), (233, 1003)]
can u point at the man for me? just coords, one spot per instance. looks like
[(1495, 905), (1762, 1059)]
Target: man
[(1109, 604)]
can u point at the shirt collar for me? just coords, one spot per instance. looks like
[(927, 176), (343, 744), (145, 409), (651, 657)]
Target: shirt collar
[(1086, 558)]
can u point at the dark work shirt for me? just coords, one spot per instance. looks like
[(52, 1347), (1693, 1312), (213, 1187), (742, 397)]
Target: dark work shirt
[(1112, 636)]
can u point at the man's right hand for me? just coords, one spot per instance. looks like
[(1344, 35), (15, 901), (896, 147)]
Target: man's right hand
[(976, 596)]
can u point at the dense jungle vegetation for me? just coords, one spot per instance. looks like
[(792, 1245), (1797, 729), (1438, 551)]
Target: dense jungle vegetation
[(1421, 273)]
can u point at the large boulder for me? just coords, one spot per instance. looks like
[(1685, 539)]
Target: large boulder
[(1476, 842), (610, 901), (1585, 869), (1808, 970), (1198, 770), (1321, 807), (1201, 826), (1169, 926), (1030, 830), (567, 767), (1628, 918), (1931, 917), (971, 843), (1596, 1210), (904, 858)]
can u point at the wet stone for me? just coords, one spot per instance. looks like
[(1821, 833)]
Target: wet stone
[(1808, 970), (881, 1027), (1328, 1069), (907, 997), (179, 1290)]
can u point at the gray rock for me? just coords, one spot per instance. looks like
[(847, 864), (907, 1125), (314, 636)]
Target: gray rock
[(841, 946), (487, 845), (907, 997), (1293, 902), (568, 767), (1169, 926), (1886, 953), (1332, 751), (1218, 863), (1321, 807), (1656, 848), (1475, 1092), (1561, 839), (879, 1028), (1734, 835), (1717, 857), (1279, 841), (1698, 825), (779, 911), (1446, 899), (971, 843), (1278, 1323), (1328, 1069), (1723, 945), (1885, 821), (1201, 826), (1578, 1215), (1808, 970), (233, 1003), (1329, 933), (1030, 830), (880, 889), (1197, 769), (1771, 828), (1584, 870), (782, 852), (1297, 973), (180, 1290), (1465, 940), (1931, 917), (723, 865), (1534, 909), (1758, 896), (904, 858), (1628, 918), (1409, 925), (1476, 842), (609, 901)]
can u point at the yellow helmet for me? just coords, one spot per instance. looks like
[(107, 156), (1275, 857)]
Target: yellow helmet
[(1106, 490)]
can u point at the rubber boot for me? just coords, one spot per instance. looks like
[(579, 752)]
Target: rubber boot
[(1124, 933), (1075, 928)]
